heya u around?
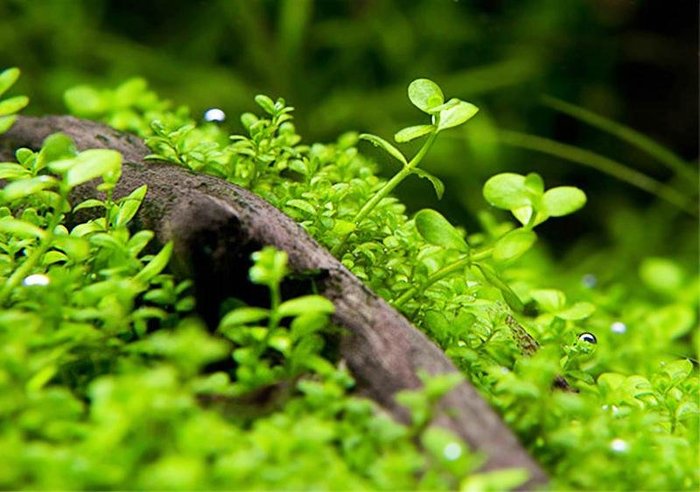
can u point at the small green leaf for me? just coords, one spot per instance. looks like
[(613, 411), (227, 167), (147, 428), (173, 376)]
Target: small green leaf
[(89, 203), (425, 94), (20, 228), (343, 227), (156, 265), (129, 205), (678, 370), (550, 300), (25, 187), (12, 171), (6, 122), (563, 200), (13, 105), (580, 310), (437, 230), (243, 316), (413, 132), (305, 305), (456, 115), (85, 101), (508, 294), (56, 146), (390, 149), (437, 183), (266, 103), (7, 78), (77, 249), (88, 165), (513, 244), (506, 191)]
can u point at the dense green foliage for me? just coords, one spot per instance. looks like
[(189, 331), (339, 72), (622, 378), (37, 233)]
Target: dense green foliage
[(106, 360)]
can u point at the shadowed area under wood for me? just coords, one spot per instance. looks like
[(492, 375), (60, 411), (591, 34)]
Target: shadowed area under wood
[(215, 226)]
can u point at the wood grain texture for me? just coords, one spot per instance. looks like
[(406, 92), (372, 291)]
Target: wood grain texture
[(216, 225)]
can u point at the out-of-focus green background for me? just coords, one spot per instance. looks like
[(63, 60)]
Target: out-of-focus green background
[(345, 65)]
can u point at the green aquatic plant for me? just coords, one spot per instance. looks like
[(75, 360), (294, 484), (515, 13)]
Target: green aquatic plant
[(126, 349)]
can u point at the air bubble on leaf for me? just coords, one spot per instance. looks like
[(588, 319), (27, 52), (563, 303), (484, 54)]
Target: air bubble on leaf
[(588, 338), (619, 445), (214, 114), (37, 279), (618, 327), (589, 280), (452, 451)]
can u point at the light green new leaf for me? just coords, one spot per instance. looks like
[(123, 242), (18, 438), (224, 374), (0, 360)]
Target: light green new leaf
[(678, 370), (437, 230), (390, 149), (580, 310), (551, 300), (20, 228), (6, 122), (243, 316), (156, 265), (25, 187), (8, 78), (266, 103), (413, 132), (513, 244), (563, 200), (534, 183), (13, 105), (85, 101), (129, 205), (507, 191), (425, 94), (77, 248), (437, 183), (88, 165), (12, 171), (305, 305), (56, 146), (456, 115)]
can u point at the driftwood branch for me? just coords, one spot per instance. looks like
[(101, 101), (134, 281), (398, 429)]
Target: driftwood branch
[(215, 226)]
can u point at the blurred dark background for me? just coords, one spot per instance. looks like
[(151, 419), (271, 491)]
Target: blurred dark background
[(345, 65)]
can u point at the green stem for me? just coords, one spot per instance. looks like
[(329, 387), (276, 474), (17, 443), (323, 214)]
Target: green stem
[(26, 267), (386, 189), (445, 272)]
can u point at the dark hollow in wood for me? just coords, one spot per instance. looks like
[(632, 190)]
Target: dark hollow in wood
[(216, 225)]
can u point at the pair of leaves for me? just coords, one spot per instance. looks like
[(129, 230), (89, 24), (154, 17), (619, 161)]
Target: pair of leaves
[(525, 195), (427, 96)]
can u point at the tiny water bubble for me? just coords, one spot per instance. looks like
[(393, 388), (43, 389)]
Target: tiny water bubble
[(589, 280), (452, 451), (36, 279), (619, 445), (214, 114), (618, 327)]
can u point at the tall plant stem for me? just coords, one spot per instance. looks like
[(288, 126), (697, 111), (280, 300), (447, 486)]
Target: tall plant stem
[(387, 188)]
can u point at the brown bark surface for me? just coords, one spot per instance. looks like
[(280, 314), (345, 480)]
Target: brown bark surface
[(216, 225)]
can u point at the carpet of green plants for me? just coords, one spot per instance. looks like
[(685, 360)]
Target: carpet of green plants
[(106, 373)]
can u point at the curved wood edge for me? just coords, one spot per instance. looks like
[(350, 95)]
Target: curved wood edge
[(215, 226)]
